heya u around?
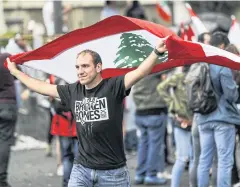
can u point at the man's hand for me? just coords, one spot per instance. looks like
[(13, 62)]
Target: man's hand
[(11, 66), (33, 84), (146, 66), (161, 46)]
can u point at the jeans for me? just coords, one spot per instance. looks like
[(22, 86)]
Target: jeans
[(184, 154), (196, 153), (69, 150), (223, 135), (86, 177), (151, 144), (8, 118)]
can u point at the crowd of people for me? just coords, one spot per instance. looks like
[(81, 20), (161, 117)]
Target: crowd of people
[(160, 116)]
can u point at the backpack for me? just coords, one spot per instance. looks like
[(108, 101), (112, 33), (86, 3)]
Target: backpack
[(200, 92)]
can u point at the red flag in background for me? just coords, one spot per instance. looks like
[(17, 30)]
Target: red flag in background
[(234, 32), (190, 33), (197, 23), (183, 33), (164, 11)]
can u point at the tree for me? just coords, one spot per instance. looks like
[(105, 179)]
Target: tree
[(2, 19), (133, 50)]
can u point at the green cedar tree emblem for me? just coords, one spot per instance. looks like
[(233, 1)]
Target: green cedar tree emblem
[(133, 50)]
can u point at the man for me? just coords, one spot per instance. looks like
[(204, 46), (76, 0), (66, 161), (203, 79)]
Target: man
[(136, 11), (205, 39), (151, 120), (218, 127), (98, 110), (8, 117), (110, 9)]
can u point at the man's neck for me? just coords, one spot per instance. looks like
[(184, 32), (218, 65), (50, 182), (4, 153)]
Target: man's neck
[(94, 83)]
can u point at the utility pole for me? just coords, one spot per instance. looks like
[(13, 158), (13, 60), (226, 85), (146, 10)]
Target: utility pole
[(58, 22)]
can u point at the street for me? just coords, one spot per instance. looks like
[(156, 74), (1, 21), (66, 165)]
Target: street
[(33, 168)]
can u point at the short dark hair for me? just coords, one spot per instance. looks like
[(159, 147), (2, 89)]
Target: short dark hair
[(232, 49), (96, 57), (108, 2), (218, 38), (201, 36)]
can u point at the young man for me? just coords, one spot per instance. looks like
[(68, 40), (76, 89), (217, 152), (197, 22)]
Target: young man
[(98, 110), (218, 127)]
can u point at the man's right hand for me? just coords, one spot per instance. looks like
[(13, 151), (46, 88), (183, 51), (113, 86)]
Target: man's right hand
[(11, 66), (33, 84)]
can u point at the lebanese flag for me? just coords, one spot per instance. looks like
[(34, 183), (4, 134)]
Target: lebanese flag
[(164, 11), (234, 32), (197, 23), (123, 43)]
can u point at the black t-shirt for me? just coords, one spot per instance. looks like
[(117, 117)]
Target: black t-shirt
[(98, 113)]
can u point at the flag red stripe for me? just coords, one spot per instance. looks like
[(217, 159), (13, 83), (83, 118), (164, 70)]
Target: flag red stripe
[(218, 60), (109, 26)]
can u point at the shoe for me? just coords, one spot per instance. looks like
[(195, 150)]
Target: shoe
[(48, 151), (60, 170), (164, 175), (139, 180), (236, 185), (154, 181)]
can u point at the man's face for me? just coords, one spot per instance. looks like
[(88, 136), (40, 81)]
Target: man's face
[(86, 69), (206, 39)]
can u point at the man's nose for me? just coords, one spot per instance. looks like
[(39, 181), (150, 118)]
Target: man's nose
[(80, 70)]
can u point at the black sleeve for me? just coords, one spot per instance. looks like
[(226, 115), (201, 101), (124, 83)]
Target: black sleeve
[(64, 94), (118, 87)]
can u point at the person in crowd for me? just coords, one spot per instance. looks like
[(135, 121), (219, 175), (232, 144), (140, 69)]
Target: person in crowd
[(205, 39), (151, 120), (136, 11), (178, 105), (94, 102), (236, 75), (8, 118), (109, 10), (218, 127), (64, 127)]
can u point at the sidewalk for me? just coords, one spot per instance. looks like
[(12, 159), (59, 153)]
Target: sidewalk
[(32, 168)]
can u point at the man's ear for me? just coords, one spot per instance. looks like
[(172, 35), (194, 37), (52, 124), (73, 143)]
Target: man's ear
[(222, 46), (99, 67)]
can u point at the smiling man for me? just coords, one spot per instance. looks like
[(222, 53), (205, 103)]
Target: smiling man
[(97, 106)]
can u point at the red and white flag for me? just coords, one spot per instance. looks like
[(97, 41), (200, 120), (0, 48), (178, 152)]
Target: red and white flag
[(123, 43), (197, 23), (234, 32), (164, 11)]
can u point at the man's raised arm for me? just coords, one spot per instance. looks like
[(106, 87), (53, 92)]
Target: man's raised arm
[(33, 84), (146, 66)]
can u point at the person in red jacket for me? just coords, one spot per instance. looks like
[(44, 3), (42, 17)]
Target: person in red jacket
[(64, 126)]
